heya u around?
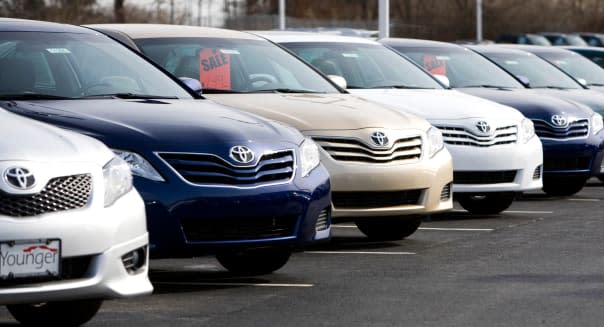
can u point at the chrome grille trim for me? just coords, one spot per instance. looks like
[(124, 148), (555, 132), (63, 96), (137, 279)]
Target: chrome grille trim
[(575, 130), (407, 149), (462, 136)]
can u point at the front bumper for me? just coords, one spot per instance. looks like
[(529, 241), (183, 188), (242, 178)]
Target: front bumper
[(186, 220), (524, 159), (96, 237), (574, 158)]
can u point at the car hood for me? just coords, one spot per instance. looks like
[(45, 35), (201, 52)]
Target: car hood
[(438, 104), (590, 98), (29, 140), (316, 112), (533, 104), (166, 125)]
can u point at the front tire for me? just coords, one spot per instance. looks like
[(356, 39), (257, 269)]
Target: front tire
[(388, 229), (254, 262), (563, 186), (68, 313), (486, 203)]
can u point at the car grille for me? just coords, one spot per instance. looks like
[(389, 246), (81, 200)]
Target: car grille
[(238, 228), (352, 150), (368, 200), (579, 128), (61, 193), (209, 169), (484, 177), (462, 136), (71, 268), (572, 163)]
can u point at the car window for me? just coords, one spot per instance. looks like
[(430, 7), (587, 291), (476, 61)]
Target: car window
[(76, 65), (539, 72), (462, 67), (577, 66), (234, 65), (363, 65)]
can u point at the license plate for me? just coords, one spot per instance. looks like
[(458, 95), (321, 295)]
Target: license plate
[(21, 259)]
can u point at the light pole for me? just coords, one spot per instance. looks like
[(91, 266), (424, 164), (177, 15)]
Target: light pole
[(479, 21), (282, 15), (384, 18)]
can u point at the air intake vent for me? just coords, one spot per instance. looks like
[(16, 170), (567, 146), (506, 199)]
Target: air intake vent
[(352, 150), (484, 177), (462, 136), (238, 228), (207, 169), (60, 194), (578, 163), (322, 220), (368, 200), (576, 129), (445, 194), (537, 173)]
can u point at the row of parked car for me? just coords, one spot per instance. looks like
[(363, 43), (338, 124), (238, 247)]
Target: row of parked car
[(249, 146)]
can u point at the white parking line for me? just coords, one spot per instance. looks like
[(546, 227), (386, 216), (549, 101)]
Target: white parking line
[(234, 284), (515, 211), (359, 252), (459, 229), (586, 200)]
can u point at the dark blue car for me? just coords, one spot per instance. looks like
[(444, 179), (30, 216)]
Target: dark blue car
[(215, 180), (571, 132)]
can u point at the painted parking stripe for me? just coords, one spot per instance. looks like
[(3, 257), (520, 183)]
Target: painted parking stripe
[(586, 200), (360, 252), (458, 229), (234, 284), (514, 211)]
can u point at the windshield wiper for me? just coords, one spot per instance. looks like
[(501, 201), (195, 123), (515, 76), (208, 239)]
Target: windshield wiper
[(219, 91), (127, 96), (486, 86), (32, 96), (399, 86), (595, 84), (550, 87), (285, 90)]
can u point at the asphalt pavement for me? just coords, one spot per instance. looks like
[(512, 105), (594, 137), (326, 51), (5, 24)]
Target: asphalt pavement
[(539, 263)]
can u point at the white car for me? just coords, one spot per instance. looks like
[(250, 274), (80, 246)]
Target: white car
[(72, 228), (494, 148)]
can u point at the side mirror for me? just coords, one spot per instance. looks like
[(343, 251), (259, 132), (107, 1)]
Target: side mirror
[(524, 80), (582, 81), (193, 84), (443, 79), (338, 80)]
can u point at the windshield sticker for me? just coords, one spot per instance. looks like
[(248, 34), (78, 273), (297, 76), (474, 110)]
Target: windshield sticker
[(58, 50), (215, 72), (231, 52), (350, 55), (434, 65)]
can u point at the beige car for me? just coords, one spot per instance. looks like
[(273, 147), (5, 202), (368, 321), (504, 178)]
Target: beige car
[(387, 169)]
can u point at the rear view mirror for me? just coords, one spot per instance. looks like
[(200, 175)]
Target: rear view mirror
[(193, 84), (443, 79), (582, 81), (338, 80)]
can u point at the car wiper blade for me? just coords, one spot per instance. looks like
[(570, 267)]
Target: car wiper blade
[(286, 90), (595, 84), (486, 86), (399, 86), (550, 87), (32, 96), (219, 91), (128, 96)]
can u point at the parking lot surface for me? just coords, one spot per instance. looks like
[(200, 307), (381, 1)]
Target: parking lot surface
[(539, 263)]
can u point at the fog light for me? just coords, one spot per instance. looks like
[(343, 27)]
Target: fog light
[(445, 194), (135, 260), (537, 173), (323, 220)]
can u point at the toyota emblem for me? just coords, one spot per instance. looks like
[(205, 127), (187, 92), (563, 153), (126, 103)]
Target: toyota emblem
[(241, 154), (483, 127), (19, 178), (379, 138), (559, 121)]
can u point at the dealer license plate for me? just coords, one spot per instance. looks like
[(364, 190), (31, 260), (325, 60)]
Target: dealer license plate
[(21, 259)]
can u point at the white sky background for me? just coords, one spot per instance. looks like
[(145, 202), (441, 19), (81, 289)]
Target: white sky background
[(212, 13)]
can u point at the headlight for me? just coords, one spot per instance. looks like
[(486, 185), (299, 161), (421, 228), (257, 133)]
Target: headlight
[(118, 180), (527, 130), (309, 156), (139, 166), (596, 123), (435, 141)]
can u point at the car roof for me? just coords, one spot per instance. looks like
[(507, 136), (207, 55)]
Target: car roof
[(147, 31), (294, 36), (583, 48), (24, 25), (417, 43)]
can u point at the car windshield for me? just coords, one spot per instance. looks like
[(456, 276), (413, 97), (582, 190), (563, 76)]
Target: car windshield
[(539, 72), (577, 66), (364, 66), (235, 65), (463, 67), (537, 40), (35, 65)]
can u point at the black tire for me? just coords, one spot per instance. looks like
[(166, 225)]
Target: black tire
[(254, 262), (69, 313), (563, 186), (486, 203), (601, 178), (388, 229)]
